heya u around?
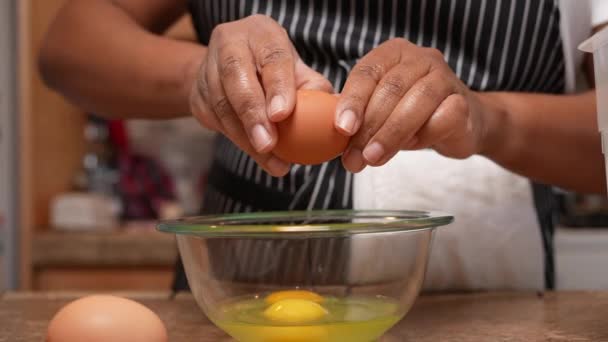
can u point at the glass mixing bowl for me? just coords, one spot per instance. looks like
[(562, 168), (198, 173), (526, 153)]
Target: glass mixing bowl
[(312, 276)]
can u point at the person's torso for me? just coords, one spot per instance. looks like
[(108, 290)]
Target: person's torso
[(498, 45), (492, 45)]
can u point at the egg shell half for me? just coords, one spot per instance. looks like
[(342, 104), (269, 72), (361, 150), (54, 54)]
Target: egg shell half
[(308, 135)]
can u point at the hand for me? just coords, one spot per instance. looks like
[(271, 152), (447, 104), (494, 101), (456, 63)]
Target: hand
[(402, 96), (247, 82)]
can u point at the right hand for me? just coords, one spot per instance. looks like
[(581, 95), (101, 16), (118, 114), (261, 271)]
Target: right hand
[(247, 82)]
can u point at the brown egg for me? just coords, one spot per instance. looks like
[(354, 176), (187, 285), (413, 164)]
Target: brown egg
[(102, 318), (308, 135)]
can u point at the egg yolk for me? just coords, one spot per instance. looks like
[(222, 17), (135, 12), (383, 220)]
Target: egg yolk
[(293, 294), (295, 311)]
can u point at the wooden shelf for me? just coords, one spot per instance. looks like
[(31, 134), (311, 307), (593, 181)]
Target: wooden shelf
[(116, 260), (98, 249)]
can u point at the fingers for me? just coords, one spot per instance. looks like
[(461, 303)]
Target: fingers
[(401, 103), (389, 92), (230, 88), (449, 122), (414, 109), (198, 104), (360, 86), (223, 118), (235, 89), (259, 71), (356, 93), (269, 162), (248, 82), (234, 128), (276, 64), (400, 96), (385, 97)]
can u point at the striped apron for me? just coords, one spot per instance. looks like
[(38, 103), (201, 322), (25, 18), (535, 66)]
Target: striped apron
[(491, 45)]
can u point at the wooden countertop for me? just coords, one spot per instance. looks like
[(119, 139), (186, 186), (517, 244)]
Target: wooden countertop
[(559, 316)]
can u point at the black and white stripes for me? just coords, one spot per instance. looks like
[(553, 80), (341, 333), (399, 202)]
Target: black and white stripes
[(510, 45), (492, 45)]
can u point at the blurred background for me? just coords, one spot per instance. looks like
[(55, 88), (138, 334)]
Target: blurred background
[(79, 195)]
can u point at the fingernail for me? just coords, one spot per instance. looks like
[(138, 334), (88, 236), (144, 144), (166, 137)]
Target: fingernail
[(278, 105), (347, 120), (277, 166), (373, 152), (353, 160), (261, 137)]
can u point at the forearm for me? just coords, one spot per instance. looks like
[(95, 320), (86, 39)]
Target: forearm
[(101, 58), (549, 138)]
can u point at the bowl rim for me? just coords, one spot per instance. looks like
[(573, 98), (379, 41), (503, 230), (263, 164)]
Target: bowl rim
[(243, 225)]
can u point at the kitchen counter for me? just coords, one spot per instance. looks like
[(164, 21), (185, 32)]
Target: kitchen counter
[(559, 316)]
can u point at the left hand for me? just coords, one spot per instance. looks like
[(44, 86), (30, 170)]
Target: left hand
[(402, 96)]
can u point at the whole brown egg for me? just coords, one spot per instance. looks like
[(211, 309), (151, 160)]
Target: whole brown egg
[(103, 318)]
